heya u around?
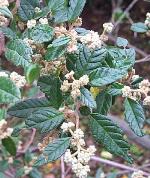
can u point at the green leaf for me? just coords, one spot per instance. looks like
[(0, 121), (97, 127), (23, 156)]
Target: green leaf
[(32, 73), (53, 151), (9, 93), (121, 42), (139, 27), (2, 113), (134, 115), (35, 174), (2, 175), (24, 108), (110, 135), (104, 76), (116, 89), (87, 98), (6, 12), (27, 9), (42, 33), (87, 61), (50, 85), (70, 12), (45, 119), (104, 102), (8, 33), (56, 5), (62, 41), (53, 53), (9, 145), (19, 53)]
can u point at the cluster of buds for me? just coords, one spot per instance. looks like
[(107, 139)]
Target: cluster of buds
[(43, 21), (4, 130), (3, 19), (19, 80), (91, 40), (78, 157), (136, 94), (31, 23), (147, 21), (74, 85), (138, 174), (62, 31)]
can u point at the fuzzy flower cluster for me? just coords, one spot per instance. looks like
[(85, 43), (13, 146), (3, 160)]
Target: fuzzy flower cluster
[(108, 27), (19, 80), (27, 169), (4, 3), (79, 157), (136, 94), (62, 31), (91, 40), (4, 130), (31, 23), (137, 174), (74, 85), (147, 21)]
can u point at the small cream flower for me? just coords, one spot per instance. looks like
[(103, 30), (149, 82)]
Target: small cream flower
[(43, 21), (108, 27), (31, 23)]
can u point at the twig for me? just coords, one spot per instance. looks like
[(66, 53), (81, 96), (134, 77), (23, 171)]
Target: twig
[(117, 165), (62, 167), (145, 59), (125, 12), (28, 143)]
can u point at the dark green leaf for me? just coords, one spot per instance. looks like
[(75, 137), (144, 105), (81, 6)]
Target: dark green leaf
[(45, 119), (139, 27), (134, 115), (50, 85), (10, 146), (24, 108), (27, 9), (42, 33), (19, 53), (104, 76), (115, 89), (8, 33), (87, 98), (104, 102), (35, 174), (60, 41), (53, 151), (9, 93), (110, 135)]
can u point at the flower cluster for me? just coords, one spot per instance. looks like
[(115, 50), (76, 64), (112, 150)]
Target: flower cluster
[(27, 169), (138, 174), (62, 31), (3, 74), (108, 27), (74, 85), (4, 130), (31, 23), (19, 80), (4, 3), (91, 40), (3, 19), (147, 21), (80, 157), (136, 94)]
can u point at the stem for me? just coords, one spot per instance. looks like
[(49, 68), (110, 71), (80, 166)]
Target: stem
[(117, 165), (62, 167)]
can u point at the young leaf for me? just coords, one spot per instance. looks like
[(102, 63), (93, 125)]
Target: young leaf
[(32, 73), (104, 102), (24, 108), (42, 33), (139, 27), (45, 119), (104, 76), (9, 93), (50, 85), (53, 151), (134, 115), (121, 42), (27, 9), (110, 135), (10, 146), (87, 98), (19, 53)]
